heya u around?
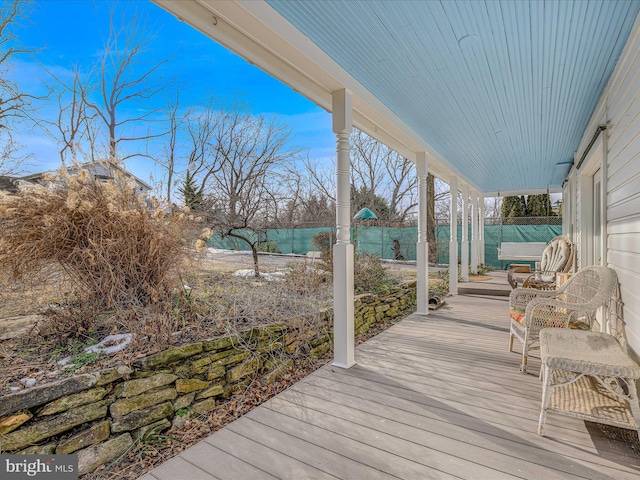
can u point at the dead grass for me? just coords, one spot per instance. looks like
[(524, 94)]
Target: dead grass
[(103, 236), (214, 304), (18, 299)]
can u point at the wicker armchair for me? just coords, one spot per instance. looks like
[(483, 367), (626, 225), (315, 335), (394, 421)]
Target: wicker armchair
[(573, 305), (557, 257)]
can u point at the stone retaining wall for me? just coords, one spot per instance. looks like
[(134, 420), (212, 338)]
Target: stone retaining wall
[(99, 416)]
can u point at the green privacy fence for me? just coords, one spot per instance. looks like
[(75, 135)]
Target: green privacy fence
[(493, 236), (394, 242)]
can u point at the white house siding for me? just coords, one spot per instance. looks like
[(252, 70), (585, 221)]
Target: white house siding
[(619, 108)]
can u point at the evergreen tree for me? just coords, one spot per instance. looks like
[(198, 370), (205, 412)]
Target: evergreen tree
[(192, 195), (519, 208), (513, 206), (507, 203), (539, 206)]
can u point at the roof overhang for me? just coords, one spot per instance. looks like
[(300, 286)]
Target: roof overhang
[(256, 32), (261, 35)]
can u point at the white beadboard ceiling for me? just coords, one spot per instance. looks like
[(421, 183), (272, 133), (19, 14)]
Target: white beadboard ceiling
[(503, 90)]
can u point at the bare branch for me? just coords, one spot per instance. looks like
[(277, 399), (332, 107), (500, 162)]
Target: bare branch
[(240, 169), (125, 76)]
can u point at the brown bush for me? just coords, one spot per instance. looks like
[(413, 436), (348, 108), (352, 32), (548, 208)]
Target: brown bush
[(111, 246), (323, 242), (371, 276)]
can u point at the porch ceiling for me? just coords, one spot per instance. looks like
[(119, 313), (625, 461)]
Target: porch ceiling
[(499, 92)]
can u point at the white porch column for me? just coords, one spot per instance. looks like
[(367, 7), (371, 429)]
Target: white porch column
[(422, 246), (481, 232), (343, 322), (474, 232), (453, 242), (464, 241)]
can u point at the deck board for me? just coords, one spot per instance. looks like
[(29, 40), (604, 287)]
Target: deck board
[(211, 458), (307, 450), (349, 442), (434, 397), (256, 452)]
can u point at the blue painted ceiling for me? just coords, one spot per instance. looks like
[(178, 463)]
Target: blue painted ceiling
[(502, 89)]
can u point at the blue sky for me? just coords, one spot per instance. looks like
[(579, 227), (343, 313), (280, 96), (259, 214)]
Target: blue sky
[(69, 33)]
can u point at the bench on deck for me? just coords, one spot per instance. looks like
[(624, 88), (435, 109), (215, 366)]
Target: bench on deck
[(523, 251)]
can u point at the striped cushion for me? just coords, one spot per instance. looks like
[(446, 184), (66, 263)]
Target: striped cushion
[(517, 314)]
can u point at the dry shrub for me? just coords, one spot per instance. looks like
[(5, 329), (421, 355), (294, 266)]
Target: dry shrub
[(371, 276), (305, 279), (230, 305), (112, 247), (247, 304), (323, 242)]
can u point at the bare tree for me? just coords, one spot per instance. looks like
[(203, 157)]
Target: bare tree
[(74, 125), (241, 180), (442, 196), (11, 157), (493, 207), (15, 104), (380, 173), (311, 195), (381, 180), (125, 76), (203, 156), (170, 152), (321, 178)]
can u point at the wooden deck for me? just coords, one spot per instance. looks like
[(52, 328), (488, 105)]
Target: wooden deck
[(432, 397)]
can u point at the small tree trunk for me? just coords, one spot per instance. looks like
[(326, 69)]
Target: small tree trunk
[(254, 251), (431, 219)]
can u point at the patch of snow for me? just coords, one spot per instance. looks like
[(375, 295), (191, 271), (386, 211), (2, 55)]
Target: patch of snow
[(28, 382), (64, 362), (229, 252), (269, 277), (15, 389), (111, 344), (244, 273)]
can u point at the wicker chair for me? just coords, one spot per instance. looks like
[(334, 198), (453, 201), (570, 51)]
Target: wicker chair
[(573, 305), (557, 257)]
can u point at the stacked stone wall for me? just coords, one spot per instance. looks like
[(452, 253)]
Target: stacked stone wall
[(99, 416)]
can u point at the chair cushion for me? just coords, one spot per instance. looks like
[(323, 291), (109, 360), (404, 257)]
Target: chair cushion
[(579, 325), (517, 314)]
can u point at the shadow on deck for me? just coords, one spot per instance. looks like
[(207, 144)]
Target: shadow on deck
[(432, 397)]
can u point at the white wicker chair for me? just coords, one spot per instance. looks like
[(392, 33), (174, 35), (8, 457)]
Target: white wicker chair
[(573, 305), (557, 257)]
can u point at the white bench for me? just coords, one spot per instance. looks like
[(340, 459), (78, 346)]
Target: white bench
[(524, 251), (314, 255)]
